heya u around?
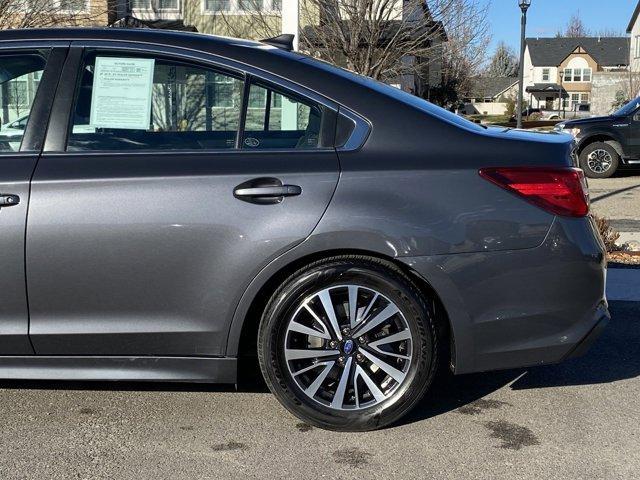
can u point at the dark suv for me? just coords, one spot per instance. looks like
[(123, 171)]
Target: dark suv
[(606, 143)]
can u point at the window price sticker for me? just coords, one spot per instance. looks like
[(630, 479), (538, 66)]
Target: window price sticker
[(122, 93)]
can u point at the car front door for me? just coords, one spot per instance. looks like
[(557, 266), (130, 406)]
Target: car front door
[(151, 213), (28, 79), (633, 137)]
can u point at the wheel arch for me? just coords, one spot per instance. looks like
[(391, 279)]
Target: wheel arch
[(601, 137), (242, 339)]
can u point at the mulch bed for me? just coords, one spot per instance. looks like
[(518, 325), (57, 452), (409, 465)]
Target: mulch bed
[(624, 258)]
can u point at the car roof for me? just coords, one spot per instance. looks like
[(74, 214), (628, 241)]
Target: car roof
[(122, 34), (244, 51)]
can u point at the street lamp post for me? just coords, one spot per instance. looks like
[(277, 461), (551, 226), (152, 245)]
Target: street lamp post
[(524, 6), (561, 105)]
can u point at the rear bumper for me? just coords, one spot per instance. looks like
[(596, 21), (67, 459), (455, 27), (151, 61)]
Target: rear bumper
[(585, 344), (523, 307)]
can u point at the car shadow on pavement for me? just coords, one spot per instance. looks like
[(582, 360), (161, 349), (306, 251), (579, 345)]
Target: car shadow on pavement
[(613, 193), (615, 356)]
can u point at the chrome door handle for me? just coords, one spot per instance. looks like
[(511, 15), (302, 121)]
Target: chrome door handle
[(8, 200), (268, 192)]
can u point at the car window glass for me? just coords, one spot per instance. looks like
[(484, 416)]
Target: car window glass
[(140, 103), (19, 81), (279, 120)]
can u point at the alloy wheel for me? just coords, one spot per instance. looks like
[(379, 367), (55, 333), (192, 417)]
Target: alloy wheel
[(348, 347), (599, 161)]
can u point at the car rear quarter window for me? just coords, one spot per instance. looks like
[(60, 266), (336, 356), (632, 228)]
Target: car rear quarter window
[(127, 102), (20, 76), (279, 120)]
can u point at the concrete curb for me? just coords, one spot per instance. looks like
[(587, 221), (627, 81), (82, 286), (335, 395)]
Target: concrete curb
[(623, 284)]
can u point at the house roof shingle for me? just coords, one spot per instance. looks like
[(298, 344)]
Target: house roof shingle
[(607, 51), (483, 87)]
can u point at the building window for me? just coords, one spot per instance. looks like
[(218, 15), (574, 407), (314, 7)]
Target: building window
[(217, 5), (637, 55), (56, 6), (241, 6), (140, 4), (160, 5), (224, 91), (578, 99), (545, 74), (577, 75), (168, 4), (250, 5)]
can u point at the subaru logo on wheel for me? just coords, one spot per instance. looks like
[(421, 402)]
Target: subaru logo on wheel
[(348, 347)]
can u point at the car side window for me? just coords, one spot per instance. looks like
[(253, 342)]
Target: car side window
[(129, 102), (20, 76), (278, 120)]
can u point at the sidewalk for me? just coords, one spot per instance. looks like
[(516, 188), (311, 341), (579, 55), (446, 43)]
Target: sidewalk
[(623, 284)]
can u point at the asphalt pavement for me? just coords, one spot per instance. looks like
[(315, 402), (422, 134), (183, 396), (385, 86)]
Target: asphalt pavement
[(577, 420), (618, 199)]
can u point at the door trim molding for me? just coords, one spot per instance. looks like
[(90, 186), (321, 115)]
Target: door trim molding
[(119, 368)]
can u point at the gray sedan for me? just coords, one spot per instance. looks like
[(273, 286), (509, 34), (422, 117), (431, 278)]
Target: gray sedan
[(180, 205)]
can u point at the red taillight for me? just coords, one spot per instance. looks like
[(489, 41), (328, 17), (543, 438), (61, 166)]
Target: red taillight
[(562, 191)]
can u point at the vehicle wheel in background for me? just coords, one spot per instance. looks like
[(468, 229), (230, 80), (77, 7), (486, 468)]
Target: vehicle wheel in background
[(348, 343), (599, 160)]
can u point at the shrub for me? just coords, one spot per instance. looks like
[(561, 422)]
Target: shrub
[(510, 111), (621, 100), (608, 234)]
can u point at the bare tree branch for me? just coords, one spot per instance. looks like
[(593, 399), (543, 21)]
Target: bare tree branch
[(575, 28), (51, 13)]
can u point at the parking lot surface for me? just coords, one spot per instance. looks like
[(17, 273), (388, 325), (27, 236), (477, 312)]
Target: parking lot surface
[(618, 199), (575, 420)]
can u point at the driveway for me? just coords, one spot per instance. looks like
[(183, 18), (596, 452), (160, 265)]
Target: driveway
[(618, 199), (575, 420)]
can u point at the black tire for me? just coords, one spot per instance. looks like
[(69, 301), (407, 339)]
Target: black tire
[(595, 147), (365, 272)]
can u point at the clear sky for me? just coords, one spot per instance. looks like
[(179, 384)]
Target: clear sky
[(546, 17)]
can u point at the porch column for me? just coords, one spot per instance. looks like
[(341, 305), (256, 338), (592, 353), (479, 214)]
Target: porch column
[(291, 20)]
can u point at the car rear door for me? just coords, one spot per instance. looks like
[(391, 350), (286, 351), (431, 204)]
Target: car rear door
[(29, 76), (141, 241)]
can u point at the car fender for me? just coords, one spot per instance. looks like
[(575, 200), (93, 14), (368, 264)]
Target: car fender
[(615, 139), (325, 245)]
